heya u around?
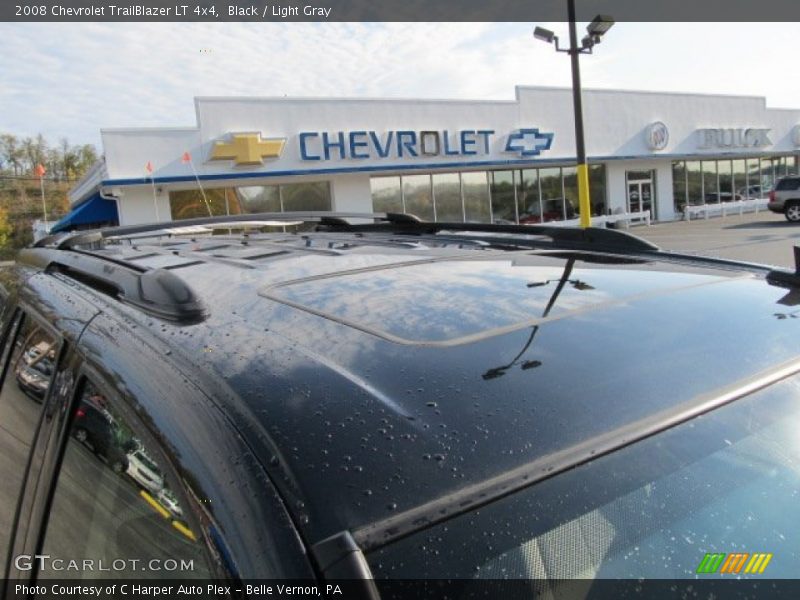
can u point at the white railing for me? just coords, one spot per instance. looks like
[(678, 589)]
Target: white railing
[(724, 208), (643, 216)]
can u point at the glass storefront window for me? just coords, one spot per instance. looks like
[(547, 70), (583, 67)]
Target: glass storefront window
[(571, 200), (753, 178), (417, 196), (527, 196), (190, 204), (679, 185), (256, 199), (387, 195), (552, 190), (767, 175), (447, 197), (597, 189), (694, 182), (780, 167), (504, 204), (306, 196), (530, 209), (725, 178), (710, 190), (477, 205), (739, 179), (792, 165)]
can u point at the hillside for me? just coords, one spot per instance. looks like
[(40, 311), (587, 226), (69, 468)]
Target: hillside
[(21, 205), (21, 161)]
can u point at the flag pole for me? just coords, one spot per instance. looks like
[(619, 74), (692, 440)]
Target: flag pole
[(155, 198), (149, 169), (188, 158), (40, 172), (44, 206)]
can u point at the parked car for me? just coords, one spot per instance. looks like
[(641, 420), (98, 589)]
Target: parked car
[(378, 401), (717, 197), (144, 471), (94, 426), (168, 500), (752, 191), (785, 198), (35, 369), (554, 209)]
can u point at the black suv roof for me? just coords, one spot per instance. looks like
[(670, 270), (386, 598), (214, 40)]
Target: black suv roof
[(393, 373)]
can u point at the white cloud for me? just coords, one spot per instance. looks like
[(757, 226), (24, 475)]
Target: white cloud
[(72, 79)]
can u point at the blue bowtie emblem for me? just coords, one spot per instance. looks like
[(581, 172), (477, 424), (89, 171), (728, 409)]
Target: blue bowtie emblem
[(529, 142)]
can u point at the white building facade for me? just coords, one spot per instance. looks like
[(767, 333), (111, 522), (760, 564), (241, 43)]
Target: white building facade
[(449, 160)]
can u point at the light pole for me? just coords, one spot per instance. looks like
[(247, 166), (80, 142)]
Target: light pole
[(595, 31)]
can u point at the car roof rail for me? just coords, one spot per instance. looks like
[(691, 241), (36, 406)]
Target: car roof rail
[(572, 237), (591, 238), (157, 292), (787, 279), (189, 226)]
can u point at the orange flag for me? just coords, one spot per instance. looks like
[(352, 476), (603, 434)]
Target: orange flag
[(186, 158), (149, 167), (39, 171)]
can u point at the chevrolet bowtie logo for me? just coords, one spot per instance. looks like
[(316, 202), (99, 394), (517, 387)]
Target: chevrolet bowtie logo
[(247, 149), (529, 142)]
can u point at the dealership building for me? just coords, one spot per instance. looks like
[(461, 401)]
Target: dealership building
[(450, 160)]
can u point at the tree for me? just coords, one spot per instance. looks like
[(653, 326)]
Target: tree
[(86, 157), (69, 160), (19, 157), (54, 163), (33, 152), (5, 228), (11, 152)]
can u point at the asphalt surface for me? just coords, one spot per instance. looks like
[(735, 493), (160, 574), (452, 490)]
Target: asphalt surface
[(19, 415), (763, 238)]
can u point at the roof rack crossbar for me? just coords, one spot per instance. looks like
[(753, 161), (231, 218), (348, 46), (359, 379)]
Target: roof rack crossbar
[(157, 292)]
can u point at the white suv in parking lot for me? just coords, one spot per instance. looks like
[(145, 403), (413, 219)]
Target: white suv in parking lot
[(145, 472)]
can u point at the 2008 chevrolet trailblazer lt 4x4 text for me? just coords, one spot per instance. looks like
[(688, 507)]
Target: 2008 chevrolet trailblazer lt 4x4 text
[(330, 397)]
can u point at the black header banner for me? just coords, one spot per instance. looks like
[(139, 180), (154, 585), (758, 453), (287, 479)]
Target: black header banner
[(394, 10)]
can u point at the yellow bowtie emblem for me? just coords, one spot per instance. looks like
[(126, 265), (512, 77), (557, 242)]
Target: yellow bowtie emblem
[(247, 149)]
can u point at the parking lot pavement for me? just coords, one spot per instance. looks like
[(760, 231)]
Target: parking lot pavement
[(763, 238)]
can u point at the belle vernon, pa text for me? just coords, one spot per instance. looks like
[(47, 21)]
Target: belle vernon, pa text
[(135, 589)]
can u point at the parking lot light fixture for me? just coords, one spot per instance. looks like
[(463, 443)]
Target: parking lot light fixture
[(540, 33), (596, 30), (599, 26)]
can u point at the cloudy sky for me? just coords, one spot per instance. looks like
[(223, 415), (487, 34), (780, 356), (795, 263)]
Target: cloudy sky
[(70, 80)]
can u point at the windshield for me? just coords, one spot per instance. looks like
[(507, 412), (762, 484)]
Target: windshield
[(690, 502), (788, 184), (146, 462)]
